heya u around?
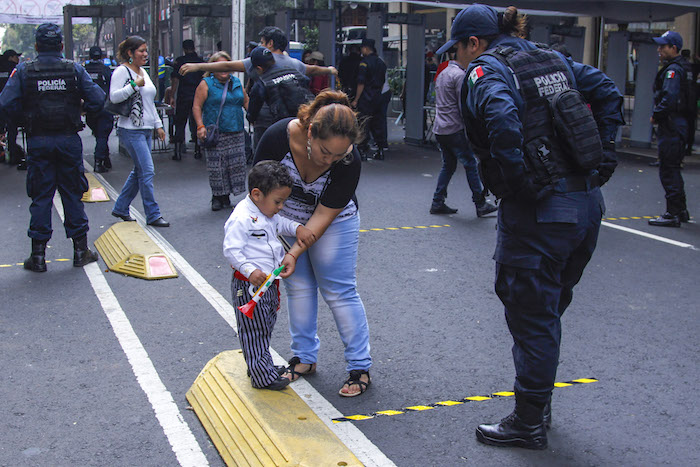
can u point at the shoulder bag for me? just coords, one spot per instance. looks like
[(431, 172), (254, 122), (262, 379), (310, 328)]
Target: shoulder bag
[(120, 108), (213, 130)]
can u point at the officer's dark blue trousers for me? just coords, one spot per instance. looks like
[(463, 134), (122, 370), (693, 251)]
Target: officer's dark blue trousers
[(371, 113), (541, 252), (671, 140), (101, 126), (56, 162)]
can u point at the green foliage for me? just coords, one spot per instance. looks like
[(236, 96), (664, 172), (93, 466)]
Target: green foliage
[(311, 37), (19, 37), (397, 78)]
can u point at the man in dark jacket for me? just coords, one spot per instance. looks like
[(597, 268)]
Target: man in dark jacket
[(100, 123), (368, 102), (183, 88), (671, 109), (8, 62)]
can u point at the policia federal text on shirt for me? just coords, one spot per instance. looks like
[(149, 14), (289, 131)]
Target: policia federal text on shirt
[(548, 181), (46, 94)]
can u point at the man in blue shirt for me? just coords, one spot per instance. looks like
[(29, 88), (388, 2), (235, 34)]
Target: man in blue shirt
[(46, 94)]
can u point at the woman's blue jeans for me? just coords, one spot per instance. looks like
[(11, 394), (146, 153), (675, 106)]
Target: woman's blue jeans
[(138, 145), (329, 266)]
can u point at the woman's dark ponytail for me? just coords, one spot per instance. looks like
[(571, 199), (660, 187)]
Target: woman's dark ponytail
[(512, 23)]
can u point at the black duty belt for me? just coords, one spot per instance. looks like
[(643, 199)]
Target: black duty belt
[(580, 183)]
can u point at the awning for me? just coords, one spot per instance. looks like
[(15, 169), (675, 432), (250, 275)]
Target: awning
[(614, 11)]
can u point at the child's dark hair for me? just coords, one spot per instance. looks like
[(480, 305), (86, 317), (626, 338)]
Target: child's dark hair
[(268, 175)]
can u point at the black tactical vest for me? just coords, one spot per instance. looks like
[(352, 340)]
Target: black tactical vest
[(52, 98), (286, 90), (539, 75), (686, 104), (96, 70)]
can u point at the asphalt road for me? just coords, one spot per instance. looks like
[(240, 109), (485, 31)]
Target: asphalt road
[(71, 395)]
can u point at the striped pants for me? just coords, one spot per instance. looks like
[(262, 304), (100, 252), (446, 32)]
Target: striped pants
[(254, 334)]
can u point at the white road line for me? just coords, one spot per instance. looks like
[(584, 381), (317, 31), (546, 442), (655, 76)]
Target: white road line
[(177, 431), (651, 236), (349, 434)]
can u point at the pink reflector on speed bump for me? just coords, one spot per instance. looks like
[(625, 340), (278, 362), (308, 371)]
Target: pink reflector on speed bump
[(159, 266), (98, 194)]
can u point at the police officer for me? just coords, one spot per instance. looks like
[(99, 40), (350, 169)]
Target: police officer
[(46, 92), (8, 62), (100, 123), (551, 204), (671, 111), (370, 80), (184, 88)]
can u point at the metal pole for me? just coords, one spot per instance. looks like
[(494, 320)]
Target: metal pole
[(154, 48)]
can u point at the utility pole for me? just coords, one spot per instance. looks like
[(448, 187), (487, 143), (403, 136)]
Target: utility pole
[(154, 46)]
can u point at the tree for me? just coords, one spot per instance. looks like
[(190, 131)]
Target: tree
[(19, 37)]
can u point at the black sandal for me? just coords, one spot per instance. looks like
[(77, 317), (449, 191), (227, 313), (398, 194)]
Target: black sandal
[(354, 378), (295, 375)]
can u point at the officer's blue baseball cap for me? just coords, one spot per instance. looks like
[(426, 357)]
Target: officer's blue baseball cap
[(49, 34), (475, 20), (261, 56), (670, 38)]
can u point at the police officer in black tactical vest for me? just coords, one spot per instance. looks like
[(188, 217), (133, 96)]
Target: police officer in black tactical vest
[(8, 62), (368, 102), (101, 123), (672, 107), (46, 93)]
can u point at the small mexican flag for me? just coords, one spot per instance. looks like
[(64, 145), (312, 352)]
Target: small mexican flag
[(476, 73), (670, 74)]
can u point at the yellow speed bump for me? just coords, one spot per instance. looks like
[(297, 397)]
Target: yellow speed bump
[(96, 192), (258, 427), (127, 249)]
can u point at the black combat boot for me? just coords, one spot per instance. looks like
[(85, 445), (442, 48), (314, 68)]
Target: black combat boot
[(523, 428), (177, 154), (100, 167), (547, 415), (81, 253), (37, 260), (108, 162)]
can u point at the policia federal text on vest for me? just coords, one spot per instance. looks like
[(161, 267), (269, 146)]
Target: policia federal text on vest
[(53, 99), (561, 138), (286, 89)]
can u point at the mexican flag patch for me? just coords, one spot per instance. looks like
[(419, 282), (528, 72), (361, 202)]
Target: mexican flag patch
[(670, 74), (476, 73)]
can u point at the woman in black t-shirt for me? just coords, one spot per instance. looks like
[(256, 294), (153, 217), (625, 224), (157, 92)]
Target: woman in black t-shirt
[(317, 148)]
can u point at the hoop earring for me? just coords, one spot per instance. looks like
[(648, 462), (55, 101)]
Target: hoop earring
[(131, 60), (308, 149)]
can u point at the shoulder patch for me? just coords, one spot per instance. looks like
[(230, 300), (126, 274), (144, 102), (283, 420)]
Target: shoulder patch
[(475, 74), (670, 74)]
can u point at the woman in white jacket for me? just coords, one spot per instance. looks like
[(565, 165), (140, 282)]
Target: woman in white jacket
[(136, 131)]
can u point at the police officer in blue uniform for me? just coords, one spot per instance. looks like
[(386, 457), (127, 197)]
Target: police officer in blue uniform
[(672, 107), (46, 93), (548, 182), (101, 123), (368, 101)]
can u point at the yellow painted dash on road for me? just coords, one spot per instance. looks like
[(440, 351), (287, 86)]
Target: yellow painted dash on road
[(450, 403)]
